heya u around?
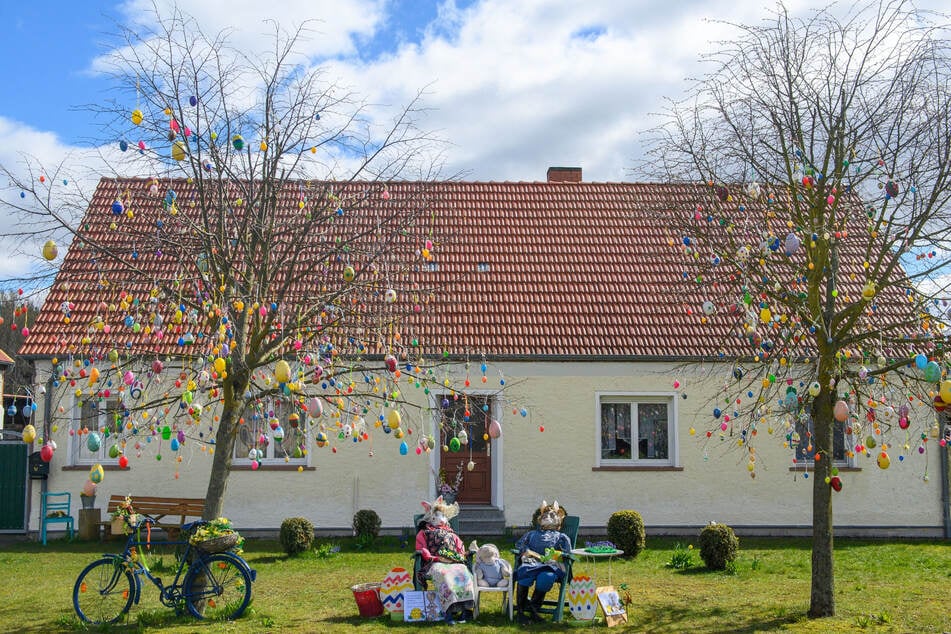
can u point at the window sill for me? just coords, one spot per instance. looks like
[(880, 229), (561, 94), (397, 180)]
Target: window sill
[(637, 468), (264, 466), (87, 467), (842, 468)]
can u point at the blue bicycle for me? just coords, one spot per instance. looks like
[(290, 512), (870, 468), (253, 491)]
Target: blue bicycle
[(210, 585)]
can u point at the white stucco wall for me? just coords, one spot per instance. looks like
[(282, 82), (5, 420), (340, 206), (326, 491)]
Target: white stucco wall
[(554, 464)]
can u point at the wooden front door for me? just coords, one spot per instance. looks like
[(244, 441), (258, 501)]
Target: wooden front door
[(476, 484)]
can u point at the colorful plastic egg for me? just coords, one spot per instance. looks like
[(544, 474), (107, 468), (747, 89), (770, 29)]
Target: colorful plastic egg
[(50, 250), (96, 474), (137, 117), (282, 371), (841, 411)]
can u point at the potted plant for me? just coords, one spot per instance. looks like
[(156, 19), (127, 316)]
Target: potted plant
[(449, 489), (88, 495), (217, 536), (124, 517)]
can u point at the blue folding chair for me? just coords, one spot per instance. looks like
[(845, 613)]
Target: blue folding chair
[(56, 508)]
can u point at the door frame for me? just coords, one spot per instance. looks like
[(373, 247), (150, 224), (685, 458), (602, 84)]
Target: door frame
[(495, 444)]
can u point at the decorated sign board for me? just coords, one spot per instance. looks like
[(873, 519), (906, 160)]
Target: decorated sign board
[(394, 588), (582, 600), (421, 606), (610, 601)]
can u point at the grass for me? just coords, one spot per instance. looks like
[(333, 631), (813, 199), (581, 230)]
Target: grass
[(881, 587)]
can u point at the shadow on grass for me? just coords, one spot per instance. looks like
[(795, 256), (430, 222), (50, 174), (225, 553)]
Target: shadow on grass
[(670, 619)]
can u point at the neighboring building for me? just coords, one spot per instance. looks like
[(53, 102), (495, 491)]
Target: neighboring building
[(566, 289), (5, 364)]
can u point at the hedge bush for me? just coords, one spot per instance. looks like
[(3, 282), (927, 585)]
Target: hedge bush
[(718, 545), (626, 531), (297, 534), (366, 525)]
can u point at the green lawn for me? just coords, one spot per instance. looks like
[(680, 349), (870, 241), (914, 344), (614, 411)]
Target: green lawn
[(882, 587)]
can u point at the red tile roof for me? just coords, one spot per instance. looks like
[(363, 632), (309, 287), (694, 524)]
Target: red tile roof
[(527, 269), (4, 359)]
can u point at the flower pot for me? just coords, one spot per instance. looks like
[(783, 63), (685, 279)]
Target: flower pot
[(449, 498), (88, 501)]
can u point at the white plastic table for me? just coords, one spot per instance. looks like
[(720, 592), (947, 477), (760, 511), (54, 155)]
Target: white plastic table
[(583, 553)]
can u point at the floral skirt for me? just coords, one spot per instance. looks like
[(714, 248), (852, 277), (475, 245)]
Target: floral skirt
[(453, 585)]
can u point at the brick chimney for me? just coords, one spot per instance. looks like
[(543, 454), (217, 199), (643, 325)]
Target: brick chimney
[(564, 174)]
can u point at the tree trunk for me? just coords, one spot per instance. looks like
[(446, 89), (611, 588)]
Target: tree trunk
[(221, 462), (822, 602)]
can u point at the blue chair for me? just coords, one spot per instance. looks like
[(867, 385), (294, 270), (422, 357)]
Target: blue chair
[(56, 508)]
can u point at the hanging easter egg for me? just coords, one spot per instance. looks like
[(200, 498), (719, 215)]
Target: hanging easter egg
[(389, 296), (921, 361), (495, 429), (46, 452), (50, 250), (166, 432), (463, 437), (128, 378), (891, 188), (709, 307), (904, 423), (321, 439), (157, 367), (868, 291), (836, 483), (278, 434), (870, 442), (404, 449), (282, 371), (29, 432), (883, 461), (841, 411), (123, 462), (114, 451), (220, 365), (454, 444), (945, 391), (193, 101), (753, 190), (939, 404), (89, 489), (123, 146), (863, 372), (394, 419), (348, 274), (178, 151), (814, 389), (315, 408), (96, 474), (237, 142), (117, 208), (932, 372), (390, 362), (792, 244), (137, 116), (93, 441)]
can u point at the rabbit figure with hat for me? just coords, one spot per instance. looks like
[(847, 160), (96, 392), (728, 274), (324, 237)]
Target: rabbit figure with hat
[(444, 560), (540, 551)]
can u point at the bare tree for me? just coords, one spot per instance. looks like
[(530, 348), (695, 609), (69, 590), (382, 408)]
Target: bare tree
[(819, 238), (258, 253)]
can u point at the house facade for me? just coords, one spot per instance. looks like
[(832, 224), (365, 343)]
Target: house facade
[(588, 379)]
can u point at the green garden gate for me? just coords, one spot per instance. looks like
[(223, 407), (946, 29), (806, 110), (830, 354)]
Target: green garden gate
[(13, 475)]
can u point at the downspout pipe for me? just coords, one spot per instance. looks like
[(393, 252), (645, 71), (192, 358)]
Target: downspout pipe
[(946, 489)]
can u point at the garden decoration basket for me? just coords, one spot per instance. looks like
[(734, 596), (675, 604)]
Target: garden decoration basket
[(218, 544)]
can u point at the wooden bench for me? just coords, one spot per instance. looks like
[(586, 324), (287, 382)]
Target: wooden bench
[(169, 513)]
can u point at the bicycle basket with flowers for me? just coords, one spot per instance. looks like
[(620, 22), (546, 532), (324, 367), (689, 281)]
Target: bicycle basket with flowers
[(124, 518), (217, 536)]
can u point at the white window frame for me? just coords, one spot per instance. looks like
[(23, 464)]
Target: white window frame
[(848, 444), (272, 455), (634, 398), (79, 454)]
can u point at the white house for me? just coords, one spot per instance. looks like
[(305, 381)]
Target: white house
[(601, 382)]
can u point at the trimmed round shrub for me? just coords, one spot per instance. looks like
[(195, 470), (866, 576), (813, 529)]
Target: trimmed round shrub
[(626, 531), (366, 525), (297, 534), (718, 546)]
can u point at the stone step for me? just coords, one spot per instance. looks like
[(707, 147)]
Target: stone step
[(481, 520)]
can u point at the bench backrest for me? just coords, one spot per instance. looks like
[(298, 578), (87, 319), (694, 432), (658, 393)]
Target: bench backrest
[(151, 505)]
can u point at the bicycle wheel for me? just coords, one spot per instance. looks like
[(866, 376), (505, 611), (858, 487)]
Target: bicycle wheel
[(104, 591), (217, 587)]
